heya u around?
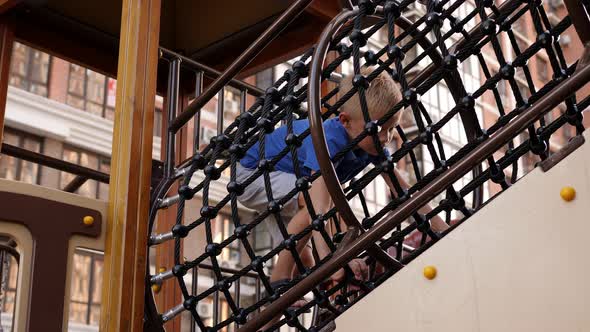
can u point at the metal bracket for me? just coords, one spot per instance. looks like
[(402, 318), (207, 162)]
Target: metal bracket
[(571, 146)]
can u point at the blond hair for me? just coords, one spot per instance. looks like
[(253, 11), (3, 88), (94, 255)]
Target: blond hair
[(382, 95)]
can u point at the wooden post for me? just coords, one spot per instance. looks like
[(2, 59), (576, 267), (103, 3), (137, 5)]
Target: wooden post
[(126, 239), (6, 41)]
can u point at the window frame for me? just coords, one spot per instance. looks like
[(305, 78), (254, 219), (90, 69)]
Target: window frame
[(104, 103), (100, 160), (28, 77), (94, 257), (8, 289), (22, 136)]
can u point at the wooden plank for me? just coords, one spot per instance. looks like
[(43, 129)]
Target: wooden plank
[(6, 41), (126, 238)]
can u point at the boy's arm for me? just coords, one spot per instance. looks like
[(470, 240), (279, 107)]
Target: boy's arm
[(322, 202), (437, 223)]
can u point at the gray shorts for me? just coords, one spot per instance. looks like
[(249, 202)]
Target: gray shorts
[(254, 197)]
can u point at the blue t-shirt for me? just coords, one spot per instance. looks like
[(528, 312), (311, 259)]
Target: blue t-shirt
[(337, 138)]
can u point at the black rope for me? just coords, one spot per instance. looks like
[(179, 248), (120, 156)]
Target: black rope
[(281, 105)]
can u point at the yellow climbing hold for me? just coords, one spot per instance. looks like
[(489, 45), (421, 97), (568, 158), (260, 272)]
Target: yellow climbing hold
[(567, 193), (156, 288), (88, 220), (430, 272), (162, 269)]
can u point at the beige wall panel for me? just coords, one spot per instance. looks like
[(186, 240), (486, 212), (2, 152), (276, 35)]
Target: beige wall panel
[(25, 242), (519, 264)]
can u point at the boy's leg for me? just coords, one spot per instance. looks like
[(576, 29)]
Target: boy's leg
[(307, 259), (286, 263)]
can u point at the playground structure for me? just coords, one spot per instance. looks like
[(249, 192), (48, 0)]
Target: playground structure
[(136, 297)]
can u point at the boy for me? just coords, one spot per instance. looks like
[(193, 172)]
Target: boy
[(382, 95)]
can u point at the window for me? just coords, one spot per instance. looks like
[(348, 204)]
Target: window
[(231, 106), (263, 243), (85, 290), (91, 91), (17, 169), (90, 188), (265, 79), (225, 228), (543, 69), (158, 116), (158, 123), (8, 280), (29, 69)]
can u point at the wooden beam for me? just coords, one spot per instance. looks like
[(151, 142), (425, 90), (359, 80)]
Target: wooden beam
[(6, 41), (45, 30), (6, 5), (325, 9), (126, 238)]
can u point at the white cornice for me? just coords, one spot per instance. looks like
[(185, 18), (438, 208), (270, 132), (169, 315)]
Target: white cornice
[(48, 118)]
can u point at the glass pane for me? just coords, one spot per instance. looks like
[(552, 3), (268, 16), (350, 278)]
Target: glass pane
[(39, 67), (13, 274), (88, 160), (38, 89), (93, 108), (29, 170), (95, 88), (158, 123), (9, 266), (77, 102), (262, 239), (231, 106), (103, 188), (18, 65), (17, 81), (97, 279), (109, 113), (264, 79), (111, 92), (78, 312), (77, 80), (80, 278), (72, 157), (8, 165), (89, 189), (9, 301), (94, 314)]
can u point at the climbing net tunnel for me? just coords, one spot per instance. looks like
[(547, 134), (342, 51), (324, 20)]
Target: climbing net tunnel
[(443, 40)]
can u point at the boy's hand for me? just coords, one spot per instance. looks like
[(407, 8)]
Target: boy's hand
[(359, 269)]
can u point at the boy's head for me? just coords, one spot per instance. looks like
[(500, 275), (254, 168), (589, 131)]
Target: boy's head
[(382, 95)]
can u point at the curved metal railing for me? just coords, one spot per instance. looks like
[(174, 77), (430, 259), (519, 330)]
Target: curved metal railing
[(381, 235)]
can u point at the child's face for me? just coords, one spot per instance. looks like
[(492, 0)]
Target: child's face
[(355, 126)]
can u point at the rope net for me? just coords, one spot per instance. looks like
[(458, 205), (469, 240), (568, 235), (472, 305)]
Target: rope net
[(489, 46)]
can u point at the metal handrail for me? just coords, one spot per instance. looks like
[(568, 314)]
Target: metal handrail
[(422, 197), (210, 72), (244, 59)]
